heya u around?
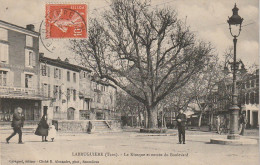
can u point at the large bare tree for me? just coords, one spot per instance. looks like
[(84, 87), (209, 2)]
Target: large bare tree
[(135, 45)]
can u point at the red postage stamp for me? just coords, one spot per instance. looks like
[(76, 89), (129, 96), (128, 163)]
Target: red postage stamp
[(66, 20)]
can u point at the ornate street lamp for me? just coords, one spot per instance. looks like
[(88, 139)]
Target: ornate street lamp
[(234, 21)]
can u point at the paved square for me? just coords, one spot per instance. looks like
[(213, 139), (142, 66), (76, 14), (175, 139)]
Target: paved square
[(126, 148)]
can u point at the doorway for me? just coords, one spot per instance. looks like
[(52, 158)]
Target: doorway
[(70, 113), (255, 119)]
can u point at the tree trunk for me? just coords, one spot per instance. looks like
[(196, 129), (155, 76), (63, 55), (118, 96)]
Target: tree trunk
[(199, 123), (152, 117), (145, 119), (132, 123), (140, 119)]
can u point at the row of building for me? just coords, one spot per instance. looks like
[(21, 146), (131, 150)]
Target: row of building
[(42, 85), (220, 100)]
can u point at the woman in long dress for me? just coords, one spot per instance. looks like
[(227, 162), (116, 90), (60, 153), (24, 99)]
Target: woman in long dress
[(42, 129)]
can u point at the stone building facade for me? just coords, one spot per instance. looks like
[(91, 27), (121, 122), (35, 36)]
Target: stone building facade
[(74, 93), (19, 71), (42, 85)]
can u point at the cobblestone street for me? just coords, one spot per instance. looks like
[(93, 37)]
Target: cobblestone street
[(128, 147)]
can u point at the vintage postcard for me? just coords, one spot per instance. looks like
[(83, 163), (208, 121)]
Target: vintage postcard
[(129, 82)]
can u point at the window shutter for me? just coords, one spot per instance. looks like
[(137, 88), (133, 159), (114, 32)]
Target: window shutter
[(54, 75), (59, 73), (4, 54), (22, 80), (49, 90), (26, 57), (48, 71), (33, 59), (53, 91)]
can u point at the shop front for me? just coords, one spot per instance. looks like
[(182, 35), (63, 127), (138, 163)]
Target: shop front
[(31, 109)]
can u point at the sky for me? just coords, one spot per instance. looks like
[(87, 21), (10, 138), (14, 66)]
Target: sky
[(206, 18)]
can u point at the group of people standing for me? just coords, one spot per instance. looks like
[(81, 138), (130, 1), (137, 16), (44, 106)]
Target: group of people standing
[(224, 124), (43, 128)]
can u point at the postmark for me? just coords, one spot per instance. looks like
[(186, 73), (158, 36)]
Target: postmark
[(65, 21)]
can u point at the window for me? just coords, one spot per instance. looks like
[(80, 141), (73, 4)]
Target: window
[(257, 83), (98, 98), (60, 93), (4, 53), (59, 73), (257, 97), (43, 70), (68, 94), (3, 34), (252, 98), (243, 85), (49, 90), (55, 91), (3, 78), (28, 81), (247, 98), (68, 76), (29, 58), (74, 95), (74, 77), (252, 83), (243, 101), (29, 41), (56, 72), (248, 84)]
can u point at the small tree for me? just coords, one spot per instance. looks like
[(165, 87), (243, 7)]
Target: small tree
[(205, 86), (148, 49), (127, 105)]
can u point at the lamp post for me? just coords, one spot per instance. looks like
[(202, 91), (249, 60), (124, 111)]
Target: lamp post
[(234, 20)]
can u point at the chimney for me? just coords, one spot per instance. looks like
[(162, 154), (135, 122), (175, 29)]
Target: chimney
[(66, 60), (30, 27)]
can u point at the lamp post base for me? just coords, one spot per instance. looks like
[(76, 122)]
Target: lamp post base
[(233, 136)]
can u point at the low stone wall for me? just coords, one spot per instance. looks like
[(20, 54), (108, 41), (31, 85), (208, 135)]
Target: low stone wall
[(71, 125), (154, 130), (81, 126)]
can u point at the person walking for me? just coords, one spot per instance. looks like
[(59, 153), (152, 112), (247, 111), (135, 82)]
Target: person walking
[(242, 122), (42, 129), (181, 122), (17, 124)]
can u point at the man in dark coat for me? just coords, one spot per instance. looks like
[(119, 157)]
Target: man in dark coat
[(17, 124), (181, 123)]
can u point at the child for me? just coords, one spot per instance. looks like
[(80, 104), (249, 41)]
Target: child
[(52, 132)]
